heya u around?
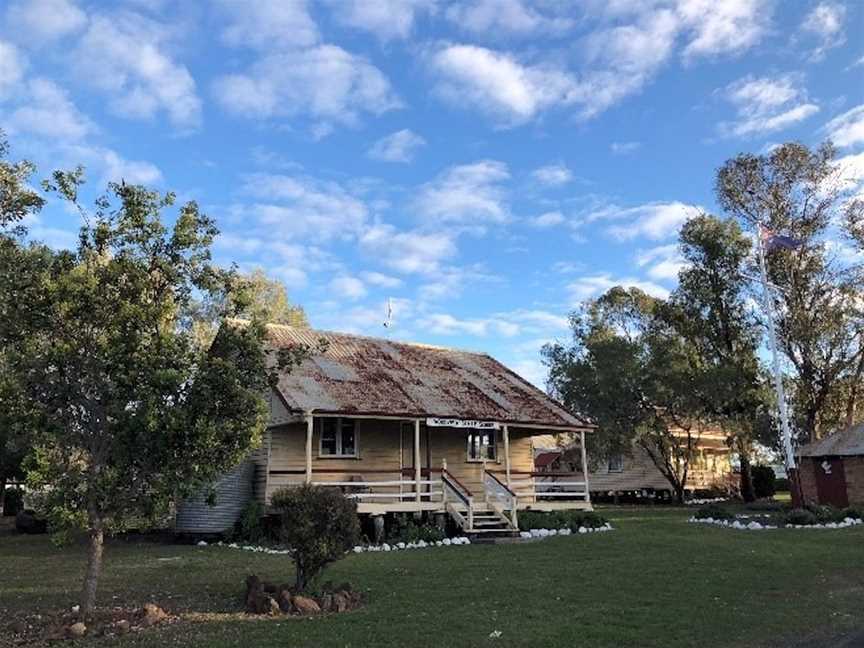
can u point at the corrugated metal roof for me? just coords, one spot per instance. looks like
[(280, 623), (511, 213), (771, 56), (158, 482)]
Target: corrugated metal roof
[(849, 441), (374, 376)]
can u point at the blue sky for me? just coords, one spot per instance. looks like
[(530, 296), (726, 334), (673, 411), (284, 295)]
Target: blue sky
[(484, 165)]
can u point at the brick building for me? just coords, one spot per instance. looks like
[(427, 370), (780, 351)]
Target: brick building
[(832, 468)]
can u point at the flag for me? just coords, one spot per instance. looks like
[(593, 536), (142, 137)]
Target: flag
[(773, 241)]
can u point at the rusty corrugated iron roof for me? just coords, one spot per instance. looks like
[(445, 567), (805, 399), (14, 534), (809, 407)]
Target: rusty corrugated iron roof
[(374, 376), (845, 442)]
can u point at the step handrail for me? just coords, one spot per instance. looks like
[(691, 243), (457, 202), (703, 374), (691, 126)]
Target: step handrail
[(508, 493), (449, 483)]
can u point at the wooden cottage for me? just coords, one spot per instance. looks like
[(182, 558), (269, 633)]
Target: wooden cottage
[(410, 427), (831, 469), (635, 474)]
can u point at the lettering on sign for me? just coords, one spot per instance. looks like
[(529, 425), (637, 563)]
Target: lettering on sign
[(462, 423)]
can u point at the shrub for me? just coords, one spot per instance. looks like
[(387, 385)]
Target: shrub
[(825, 513), (318, 525), (404, 529), (560, 520), (800, 517), (250, 525), (852, 512), (781, 485), (767, 506), (763, 481), (713, 511)]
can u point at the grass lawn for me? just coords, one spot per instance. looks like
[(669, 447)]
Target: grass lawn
[(654, 581)]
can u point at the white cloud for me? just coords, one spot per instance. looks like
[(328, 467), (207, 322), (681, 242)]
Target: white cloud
[(469, 193), (47, 111), (348, 287), (302, 207), (445, 324), (381, 280), (112, 166), (409, 252), (548, 219), (850, 176), (510, 17), (553, 175), (731, 26), (324, 83), (592, 286), (826, 23), (267, 24), (498, 84), (847, 129), (764, 105), (387, 19), (655, 221), (663, 262), (35, 22), (140, 80), (624, 148), (397, 147), (12, 65)]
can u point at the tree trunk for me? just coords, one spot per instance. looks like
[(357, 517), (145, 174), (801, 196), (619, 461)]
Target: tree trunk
[(853, 392), (746, 484), (94, 568), (679, 493)]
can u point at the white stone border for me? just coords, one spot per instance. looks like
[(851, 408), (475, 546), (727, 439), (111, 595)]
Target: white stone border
[(545, 533), (758, 526), (420, 544), (705, 500)]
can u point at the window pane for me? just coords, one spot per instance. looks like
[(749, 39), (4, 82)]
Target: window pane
[(328, 436), (349, 447), (481, 445)]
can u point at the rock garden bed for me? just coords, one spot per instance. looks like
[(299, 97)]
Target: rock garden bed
[(269, 599), (112, 622), (810, 517)]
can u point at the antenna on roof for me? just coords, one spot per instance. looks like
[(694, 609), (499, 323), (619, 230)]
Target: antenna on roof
[(389, 321)]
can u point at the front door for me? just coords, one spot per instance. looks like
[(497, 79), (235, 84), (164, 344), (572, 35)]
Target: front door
[(831, 481)]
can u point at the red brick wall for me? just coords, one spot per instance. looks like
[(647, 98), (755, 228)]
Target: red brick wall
[(808, 480), (854, 469)]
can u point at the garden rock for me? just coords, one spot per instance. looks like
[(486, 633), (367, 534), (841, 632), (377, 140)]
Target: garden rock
[(122, 627), (285, 601), (341, 601), (327, 603), (18, 627), (305, 605), (152, 614), (76, 630), (273, 607)]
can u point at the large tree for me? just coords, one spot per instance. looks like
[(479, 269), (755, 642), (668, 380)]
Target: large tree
[(631, 374), (709, 309), (801, 193), (131, 411), (252, 296), (20, 268)]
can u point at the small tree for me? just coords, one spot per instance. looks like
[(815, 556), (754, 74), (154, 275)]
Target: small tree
[(318, 525), (131, 412)]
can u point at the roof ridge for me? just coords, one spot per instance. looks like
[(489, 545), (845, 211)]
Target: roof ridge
[(423, 345)]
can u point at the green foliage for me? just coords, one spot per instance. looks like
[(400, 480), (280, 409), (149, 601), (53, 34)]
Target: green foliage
[(715, 512), (560, 520), (17, 199), (250, 525), (800, 517), (802, 192), (128, 412), (318, 525), (404, 529), (763, 481), (852, 512)]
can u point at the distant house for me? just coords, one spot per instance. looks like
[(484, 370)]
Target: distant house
[(406, 428), (635, 474), (832, 469)]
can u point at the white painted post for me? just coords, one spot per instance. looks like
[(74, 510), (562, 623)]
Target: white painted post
[(506, 434), (417, 471), (584, 465), (309, 426), (443, 487)]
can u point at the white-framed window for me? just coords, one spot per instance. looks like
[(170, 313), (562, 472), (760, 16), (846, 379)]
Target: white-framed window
[(482, 445), (616, 463), (337, 437)]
